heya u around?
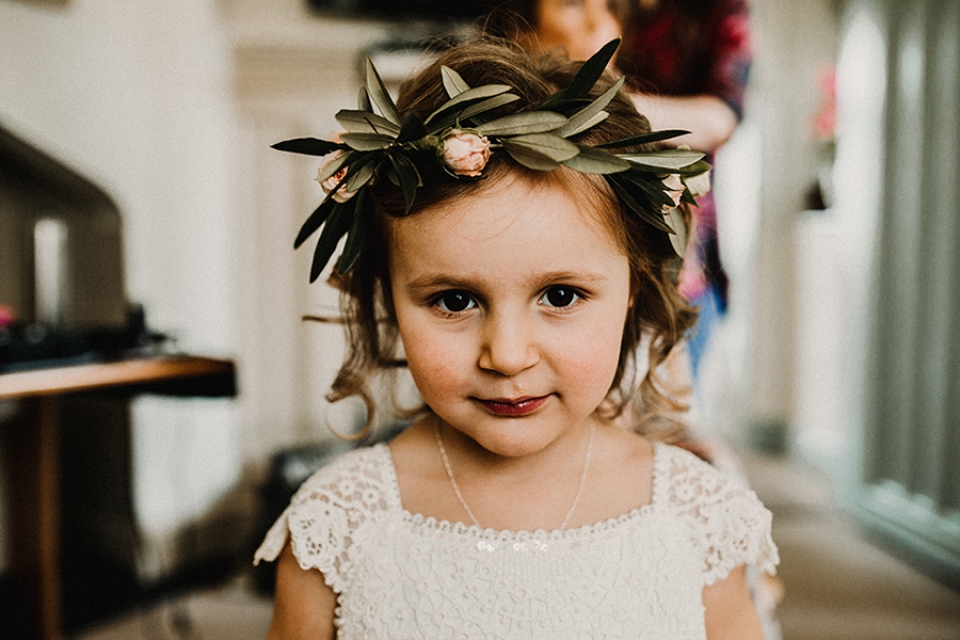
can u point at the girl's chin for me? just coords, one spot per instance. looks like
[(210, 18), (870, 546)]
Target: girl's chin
[(509, 437)]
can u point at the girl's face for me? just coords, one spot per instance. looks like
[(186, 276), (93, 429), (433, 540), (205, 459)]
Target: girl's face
[(511, 305), (581, 27)]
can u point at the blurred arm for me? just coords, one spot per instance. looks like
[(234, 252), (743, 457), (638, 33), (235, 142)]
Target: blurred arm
[(710, 120), (730, 612), (303, 605)]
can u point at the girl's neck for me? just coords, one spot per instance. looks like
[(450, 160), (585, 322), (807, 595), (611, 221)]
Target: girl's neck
[(525, 495), (466, 507)]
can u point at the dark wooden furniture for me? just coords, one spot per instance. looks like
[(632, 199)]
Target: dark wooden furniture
[(33, 438)]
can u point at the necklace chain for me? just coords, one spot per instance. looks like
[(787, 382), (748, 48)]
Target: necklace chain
[(466, 507)]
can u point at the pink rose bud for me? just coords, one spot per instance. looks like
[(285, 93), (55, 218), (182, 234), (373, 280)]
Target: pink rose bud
[(674, 188), (342, 195), (465, 153)]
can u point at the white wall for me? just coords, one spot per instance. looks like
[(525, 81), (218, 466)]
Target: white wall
[(751, 369), (136, 96), (794, 39)]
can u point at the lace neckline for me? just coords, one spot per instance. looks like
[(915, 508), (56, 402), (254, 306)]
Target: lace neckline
[(418, 519)]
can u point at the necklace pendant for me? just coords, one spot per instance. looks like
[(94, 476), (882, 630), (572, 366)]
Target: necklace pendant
[(530, 545), (486, 545)]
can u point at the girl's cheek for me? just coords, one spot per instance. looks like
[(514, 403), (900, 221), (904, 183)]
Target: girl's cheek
[(433, 356), (593, 355)]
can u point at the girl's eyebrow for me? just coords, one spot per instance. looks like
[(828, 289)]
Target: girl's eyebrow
[(436, 281), (446, 281)]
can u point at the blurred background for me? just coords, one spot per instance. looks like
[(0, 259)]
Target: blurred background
[(134, 148)]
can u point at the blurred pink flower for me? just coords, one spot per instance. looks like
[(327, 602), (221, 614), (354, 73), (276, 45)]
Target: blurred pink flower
[(825, 120), (342, 195)]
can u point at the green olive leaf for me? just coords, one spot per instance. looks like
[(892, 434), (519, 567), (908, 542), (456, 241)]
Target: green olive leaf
[(529, 158), (363, 100), (357, 235), (408, 178), (523, 123), (470, 95), (627, 195), (651, 185), (452, 82), (365, 122), (664, 160), (596, 161), (412, 128), (488, 105), (546, 144), (379, 95), (695, 169), (567, 131), (308, 146), (590, 71), (644, 138), (462, 119), (314, 220), (679, 236), (359, 175), (333, 229), (367, 141), (590, 115)]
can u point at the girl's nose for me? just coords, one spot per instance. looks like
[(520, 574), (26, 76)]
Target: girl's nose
[(507, 345)]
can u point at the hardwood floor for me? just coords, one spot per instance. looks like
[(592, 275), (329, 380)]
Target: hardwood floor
[(838, 584)]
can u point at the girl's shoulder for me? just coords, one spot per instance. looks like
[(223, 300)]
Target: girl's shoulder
[(686, 482), (330, 507), (726, 518), (358, 479)]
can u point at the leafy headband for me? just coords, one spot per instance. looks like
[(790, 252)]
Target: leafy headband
[(462, 135)]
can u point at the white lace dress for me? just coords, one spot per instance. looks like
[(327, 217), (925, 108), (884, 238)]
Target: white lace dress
[(400, 575)]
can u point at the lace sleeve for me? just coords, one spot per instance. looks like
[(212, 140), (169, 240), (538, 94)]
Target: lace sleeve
[(326, 515), (730, 525)]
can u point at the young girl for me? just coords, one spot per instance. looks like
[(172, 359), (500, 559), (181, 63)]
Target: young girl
[(508, 222)]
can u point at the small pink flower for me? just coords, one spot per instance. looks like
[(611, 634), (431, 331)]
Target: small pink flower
[(342, 195), (674, 188), (465, 153)]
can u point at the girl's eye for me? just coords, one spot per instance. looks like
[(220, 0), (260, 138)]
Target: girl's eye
[(559, 297), (455, 301)]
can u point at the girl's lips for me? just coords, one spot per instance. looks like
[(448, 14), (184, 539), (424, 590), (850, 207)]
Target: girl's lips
[(513, 408)]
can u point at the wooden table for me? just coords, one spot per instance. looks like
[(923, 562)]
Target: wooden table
[(34, 459)]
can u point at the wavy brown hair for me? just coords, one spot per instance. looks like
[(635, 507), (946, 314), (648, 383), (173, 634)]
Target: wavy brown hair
[(658, 311)]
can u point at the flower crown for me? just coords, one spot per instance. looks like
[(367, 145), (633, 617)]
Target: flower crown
[(462, 136)]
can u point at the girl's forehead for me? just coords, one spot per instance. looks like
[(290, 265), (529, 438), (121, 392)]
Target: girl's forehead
[(511, 225), (499, 205)]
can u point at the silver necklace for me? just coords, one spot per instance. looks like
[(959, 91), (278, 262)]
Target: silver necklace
[(466, 507)]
